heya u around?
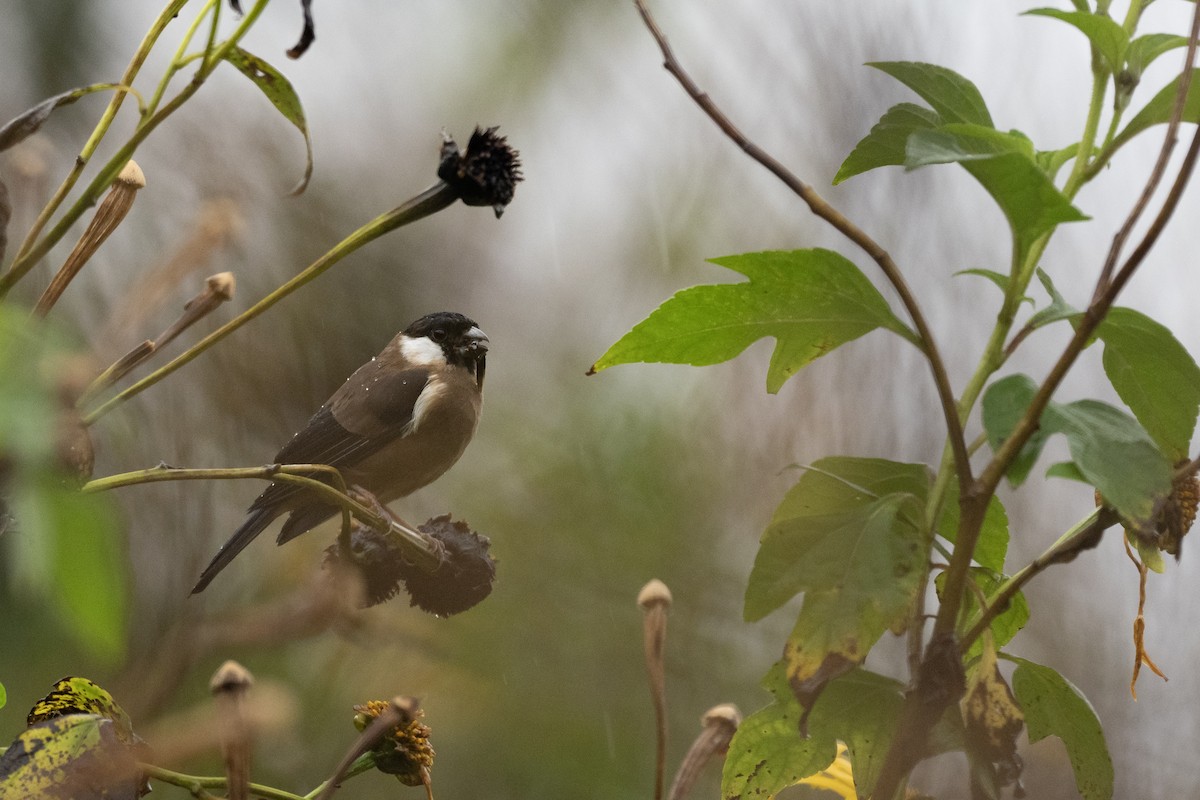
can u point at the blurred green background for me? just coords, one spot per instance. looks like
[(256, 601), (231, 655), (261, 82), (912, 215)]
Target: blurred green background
[(587, 486)]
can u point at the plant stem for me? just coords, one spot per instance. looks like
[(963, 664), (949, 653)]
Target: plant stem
[(1080, 536), (433, 199), (198, 785), (177, 60), (364, 763), (416, 544), (89, 147)]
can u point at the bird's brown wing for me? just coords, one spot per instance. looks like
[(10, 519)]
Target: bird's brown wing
[(368, 412)]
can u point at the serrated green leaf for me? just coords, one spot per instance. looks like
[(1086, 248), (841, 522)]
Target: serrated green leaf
[(1104, 33), (1004, 403), (279, 91), (767, 753), (1058, 309), (885, 145), (1158, 110), (861, 709), (811, 301), (849, 536), (833, 494), (992, 545), (1054, 707), (1145, 49), (952, 96), (1111, 450), (1154, 375)]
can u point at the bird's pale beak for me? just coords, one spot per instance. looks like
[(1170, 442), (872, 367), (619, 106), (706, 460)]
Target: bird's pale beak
[(474, 348)]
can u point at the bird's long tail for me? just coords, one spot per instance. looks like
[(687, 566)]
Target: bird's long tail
[(253, 526)]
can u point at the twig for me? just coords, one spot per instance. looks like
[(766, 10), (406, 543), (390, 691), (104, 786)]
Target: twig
[(1083, 535), (433, 199), (198, 785), (428, 554), (1160, 165), (218, 289), (819, 206)]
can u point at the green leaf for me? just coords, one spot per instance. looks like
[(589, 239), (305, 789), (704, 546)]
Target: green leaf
[(833, 492), (811, 301), (949, 144), (1105, 34), (1067, 471), (3, 696), (1116, 456), (1054, 707), (1111, 450), (767, 753), (860, 709), (952, 96), (1154, 375), (992, 546), (1006, 624), (1057, 310), (849, 536), (1051, 161), (1004, 403), (999, 278), (279, 91), (85, 578), (1158, 110), (886, 144), (1144, 49), (1004, 164)]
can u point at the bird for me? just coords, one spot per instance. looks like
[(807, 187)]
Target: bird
[(396, 425)]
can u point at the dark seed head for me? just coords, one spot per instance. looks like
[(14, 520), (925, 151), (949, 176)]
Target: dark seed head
[(487, 174)]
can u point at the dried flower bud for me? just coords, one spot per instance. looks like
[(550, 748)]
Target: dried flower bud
[(112, 211), (719, 724), (655, 600), (487, 174), (229, 685), (1174, 517)]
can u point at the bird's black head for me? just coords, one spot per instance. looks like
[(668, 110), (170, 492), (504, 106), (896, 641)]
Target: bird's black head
[(460, 339)]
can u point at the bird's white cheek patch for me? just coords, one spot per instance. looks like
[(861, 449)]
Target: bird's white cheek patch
[(429, 395), (422, 352)]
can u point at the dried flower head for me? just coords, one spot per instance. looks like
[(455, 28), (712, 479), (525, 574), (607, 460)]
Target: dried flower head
[(404, 751), (464, 579), (487, 174)]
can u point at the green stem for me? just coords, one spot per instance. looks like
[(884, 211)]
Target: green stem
[(198, 784), (433, 199), (364, 763), (177, 60), (1087, 143), (106, 119), (415, 543), (25, 262)]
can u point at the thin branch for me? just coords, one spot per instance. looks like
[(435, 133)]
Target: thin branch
[(1160, 165), (433, 199), (427, 552), (819, 206), (198, 785), (1084, 535)]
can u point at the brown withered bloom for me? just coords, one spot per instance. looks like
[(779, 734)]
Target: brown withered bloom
[(377, 561), (405, 750), (1174, 516), (487, 174)]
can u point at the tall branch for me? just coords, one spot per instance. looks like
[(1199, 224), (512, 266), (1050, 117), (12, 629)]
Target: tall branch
[(822, 208)]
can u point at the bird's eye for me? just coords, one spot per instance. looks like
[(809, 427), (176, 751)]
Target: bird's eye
[(438, 335)]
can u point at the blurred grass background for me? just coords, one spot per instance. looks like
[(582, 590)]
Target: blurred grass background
[(588, 487)]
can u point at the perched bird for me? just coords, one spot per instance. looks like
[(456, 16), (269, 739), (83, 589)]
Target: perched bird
[(395, 425)]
